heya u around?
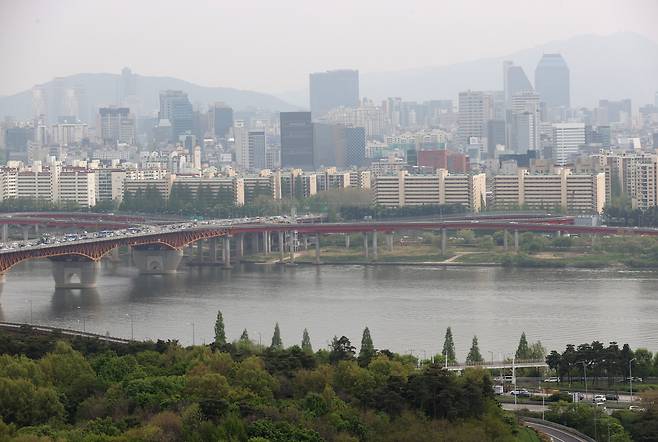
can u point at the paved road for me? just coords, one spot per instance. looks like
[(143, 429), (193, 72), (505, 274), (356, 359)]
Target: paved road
[(555, 434), (529, 407)]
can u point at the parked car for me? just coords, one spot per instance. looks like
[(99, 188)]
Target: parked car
[(520, 393), (636, 408), (599, 398), (612, 396), (552, 379)]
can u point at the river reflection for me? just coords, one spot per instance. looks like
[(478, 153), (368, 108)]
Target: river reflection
[(406, 308)]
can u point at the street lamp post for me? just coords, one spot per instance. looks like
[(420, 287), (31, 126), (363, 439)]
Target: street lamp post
[(193, 334), (630, 376), (132, 327)]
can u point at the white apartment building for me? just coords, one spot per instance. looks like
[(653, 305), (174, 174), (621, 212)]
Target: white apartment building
[(217, 186), (110, 184), (561, 190), (403, 189), (77, 187), (567, 137), (36, 185)]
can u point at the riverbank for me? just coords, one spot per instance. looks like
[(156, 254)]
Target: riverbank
[(423, 255)]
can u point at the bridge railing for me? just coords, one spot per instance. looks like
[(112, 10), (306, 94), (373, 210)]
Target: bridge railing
[(506, 362), (65, 331)]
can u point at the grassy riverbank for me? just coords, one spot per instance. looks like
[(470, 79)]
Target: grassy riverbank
[(466, 248)]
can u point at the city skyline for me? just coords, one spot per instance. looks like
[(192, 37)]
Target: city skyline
[(41, 26)]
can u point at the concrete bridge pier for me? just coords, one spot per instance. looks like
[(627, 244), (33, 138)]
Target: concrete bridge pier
[(212, 245), (365, 244), (26, 233), (516, 240), (199, 251), (74, 273), (282, 249), (374, 246), (505, 246), (347, 240), (267, 242), (239, 246), (226, 252), (317, 249), (5, 232), (157, 261), (444, 241), (389, 240)]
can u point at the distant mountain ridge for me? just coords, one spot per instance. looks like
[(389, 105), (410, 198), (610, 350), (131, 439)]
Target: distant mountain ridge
[(615, 66), (102, 90)]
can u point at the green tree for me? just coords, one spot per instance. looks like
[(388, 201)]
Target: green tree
[(449, 347), (306, 342), (244, 337), (367, 351), (474, 355), (523, 351), (277, 343), (220, 334), (341, 349)]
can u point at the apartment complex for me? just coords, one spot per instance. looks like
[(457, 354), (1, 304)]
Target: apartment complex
[(404, 189), (561, 190)]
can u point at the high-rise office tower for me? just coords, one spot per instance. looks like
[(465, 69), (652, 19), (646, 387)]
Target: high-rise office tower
[(328, 145), (175, 106), (296, 139), (524, 122), (127, 84), (331, 89), (475, 109), (241, 143), (220, 119), (552, 80), (567, 137), (257, 144), (355, 146), (496, 135), (116, 125), (515, 81)]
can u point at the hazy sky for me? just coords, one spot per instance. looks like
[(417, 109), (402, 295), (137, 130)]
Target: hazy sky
[(272, 45)]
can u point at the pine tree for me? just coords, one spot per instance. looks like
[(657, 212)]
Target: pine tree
[(220, 334), (523, 351), (367, 351), (449, 347), (244, 337), (306, 342), (474, 355), (277, 344)]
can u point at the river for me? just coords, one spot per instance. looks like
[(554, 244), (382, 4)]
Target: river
[(407, 308)]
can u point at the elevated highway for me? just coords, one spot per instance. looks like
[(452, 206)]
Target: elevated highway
[(158, 248)]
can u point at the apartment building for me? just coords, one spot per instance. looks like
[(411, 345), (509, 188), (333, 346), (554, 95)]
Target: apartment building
[(404, 188), (36, 185), (134, 184), (561, 190), (77, 187), (219, 187)]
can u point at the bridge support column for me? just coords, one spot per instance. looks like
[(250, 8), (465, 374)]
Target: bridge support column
[(239, 246), (212, 245), (317, 249), (559, 233), (505, 239), (199, 251), (389, 240), (444, 241), (516, 240), (5, 232), (157, 261), (593, 240), (282, 249), (305, 242), (26, 233), (65, 272), (365, 244), (347, 240), (267, 244), (374, 246), (226, 252)]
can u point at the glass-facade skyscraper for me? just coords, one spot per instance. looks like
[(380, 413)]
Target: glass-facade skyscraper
[(552, 80), (332, 89), (296, 140)]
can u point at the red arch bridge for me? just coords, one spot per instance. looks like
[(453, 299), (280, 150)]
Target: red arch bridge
[(158, 249)]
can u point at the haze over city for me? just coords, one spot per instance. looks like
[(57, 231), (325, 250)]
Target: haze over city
[(366, 221)]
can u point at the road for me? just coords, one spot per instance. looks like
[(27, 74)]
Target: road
[(555, 434), (529, 407)]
